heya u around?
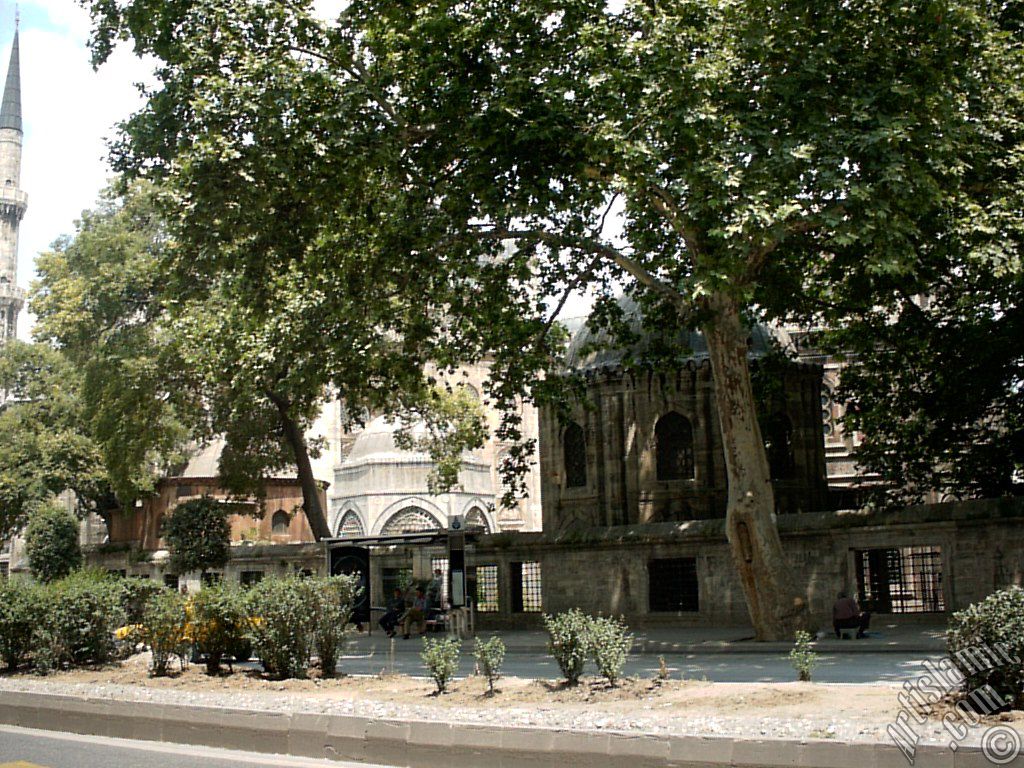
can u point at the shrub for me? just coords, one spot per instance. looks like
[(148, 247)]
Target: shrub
[(51, 543), (164, 628), (330, 601), (198, 535), (610, 644), (442, 660), (280, 625), (489, 656), (20, 608), (218, 623), (802, 657), (136, 594), (986, 643), (77, 627), (569, 642)]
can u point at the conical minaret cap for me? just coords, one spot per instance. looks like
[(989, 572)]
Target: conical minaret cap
[(10, 113)]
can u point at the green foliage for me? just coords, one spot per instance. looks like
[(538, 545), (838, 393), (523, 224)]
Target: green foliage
[(137, 593), (330, 601), (164, 625), (219, 623), (802, 656), (198, 535), (44, 446), (77, 626), (281, 625), (441, 658), (610, 644), (995, 624), (21, 605), (569, 641), (489, 656), (51, 543)]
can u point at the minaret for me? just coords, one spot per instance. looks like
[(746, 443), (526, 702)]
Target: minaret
[(12, 200)]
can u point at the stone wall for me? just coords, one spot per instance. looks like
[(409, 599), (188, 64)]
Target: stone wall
[(607, 570)]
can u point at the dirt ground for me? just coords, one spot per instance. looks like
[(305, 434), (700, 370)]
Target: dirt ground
[(632, 696)]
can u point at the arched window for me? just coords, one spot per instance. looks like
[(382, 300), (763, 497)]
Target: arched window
[(673, 438), (350, 525), (279, 523), (410, 520), (477, 519), (574, 449), (778, 442)]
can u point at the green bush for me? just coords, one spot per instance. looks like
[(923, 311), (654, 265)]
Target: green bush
[(219, 623), (280, 625), (802, 657), (330, 600), (20, 608), (136, 596), (164, 627), (442, 660), (51, 543), (489, 656), (77, 626), (610, 644), (569, 642), (198, 535), (986, 643)]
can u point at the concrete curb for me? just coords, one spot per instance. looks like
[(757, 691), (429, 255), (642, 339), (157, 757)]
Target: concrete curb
[(416, 744)]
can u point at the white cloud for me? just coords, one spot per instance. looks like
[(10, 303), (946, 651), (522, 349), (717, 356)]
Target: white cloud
[(69, 110)]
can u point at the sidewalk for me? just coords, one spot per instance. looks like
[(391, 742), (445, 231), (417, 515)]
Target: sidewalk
[(886, 636)]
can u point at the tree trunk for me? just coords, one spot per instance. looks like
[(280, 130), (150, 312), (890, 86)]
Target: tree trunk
[(777, 610), (310, 488)]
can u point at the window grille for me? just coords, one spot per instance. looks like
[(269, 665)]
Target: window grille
[(487, 599), (526, 588), (171, 581), (673, 585), (673, 438), (440, 564), (779, 446), (5, 570), (900, 580), (574, 450), (477, 519), (211, 578), (410, 520), (350, 525)]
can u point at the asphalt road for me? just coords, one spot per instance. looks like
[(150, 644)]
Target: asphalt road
[(716, 667), (25, 748)]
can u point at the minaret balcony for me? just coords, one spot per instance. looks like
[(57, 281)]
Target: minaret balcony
[(12, 294), (12, 197)]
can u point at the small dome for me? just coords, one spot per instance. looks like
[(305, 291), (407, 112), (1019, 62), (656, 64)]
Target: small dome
[(593, 349), (377, 442)]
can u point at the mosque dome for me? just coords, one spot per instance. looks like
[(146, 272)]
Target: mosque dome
[(376, 443), (591, 349)]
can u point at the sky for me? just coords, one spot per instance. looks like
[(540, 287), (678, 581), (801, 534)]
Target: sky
[(69, 110)]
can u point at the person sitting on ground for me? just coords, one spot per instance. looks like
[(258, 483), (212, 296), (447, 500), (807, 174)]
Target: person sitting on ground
[(846, 614), (395, 608), (417, 614)]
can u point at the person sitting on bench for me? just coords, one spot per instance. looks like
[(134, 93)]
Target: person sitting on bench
[(846, 614), (395, 608), (417, 614)]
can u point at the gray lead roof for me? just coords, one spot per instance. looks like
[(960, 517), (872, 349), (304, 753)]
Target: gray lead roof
[(10, 112)]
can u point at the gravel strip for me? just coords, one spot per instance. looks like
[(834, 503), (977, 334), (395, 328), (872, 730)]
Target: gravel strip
[(818, 726)]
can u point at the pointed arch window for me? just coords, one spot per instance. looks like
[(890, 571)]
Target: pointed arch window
[(410, 520), (673, 438), (574, 448), (477, 519), (350, 525), (279, 523), (778, 443)]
